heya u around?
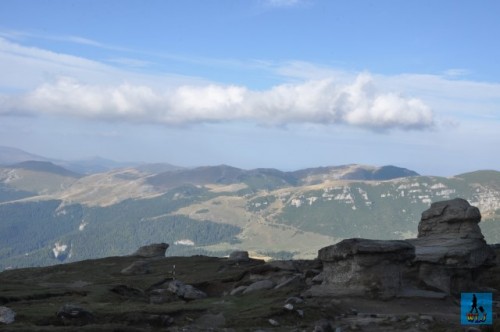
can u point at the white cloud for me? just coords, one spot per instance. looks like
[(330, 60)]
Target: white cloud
[(317, 101)]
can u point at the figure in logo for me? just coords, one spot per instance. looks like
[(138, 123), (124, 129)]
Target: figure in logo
[(474, 304)]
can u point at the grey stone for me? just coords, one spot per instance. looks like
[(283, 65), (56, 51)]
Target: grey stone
[(7, 315), (421, 293), (365, 267), (289, 282), (155, 250), (259, 285), (137, 268), (273, 322), (449, 219), (294, 299), (427, 318), (187, 292), (239, 256), (398, 249), (238, 290), (76, 313), (288, 307), (450, 247)]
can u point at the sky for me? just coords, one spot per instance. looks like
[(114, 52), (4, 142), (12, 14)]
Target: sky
[(286, 84)]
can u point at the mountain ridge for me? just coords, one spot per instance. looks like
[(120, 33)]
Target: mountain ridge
[(207, 210)]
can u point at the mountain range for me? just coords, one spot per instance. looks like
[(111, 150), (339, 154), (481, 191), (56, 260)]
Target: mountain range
[(52, 213)]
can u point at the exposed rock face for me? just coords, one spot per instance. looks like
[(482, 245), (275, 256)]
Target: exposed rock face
[(7, 315), (447, 255), (259, 285), (366, 267), (450, 247), (187, 292), (155, 250)]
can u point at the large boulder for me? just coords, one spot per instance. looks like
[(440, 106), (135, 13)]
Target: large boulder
[(184, 291), (155, 250), (450, 248), (455, 218), (365, 267)]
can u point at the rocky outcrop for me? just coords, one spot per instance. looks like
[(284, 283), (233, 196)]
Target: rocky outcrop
[(447, 256), (184, 291), (450, 248), (365, 267), (155, 250)]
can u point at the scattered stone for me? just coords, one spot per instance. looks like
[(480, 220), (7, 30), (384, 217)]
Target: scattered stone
[(75, 313), (259, 285), (294, 299), (288, 307), (238, 290), (7, 315), (187, 292), (427, 318), (239, 256), (300, 312), (155, 250), (289, 282), (411, 319), (273, 322), (137, 268)]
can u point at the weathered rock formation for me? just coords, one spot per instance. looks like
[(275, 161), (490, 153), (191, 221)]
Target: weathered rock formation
[(366, 267), (446, 258), (155, 250), (450, 249)]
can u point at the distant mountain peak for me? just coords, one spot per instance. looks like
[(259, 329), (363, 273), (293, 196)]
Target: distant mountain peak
[(45, 167)]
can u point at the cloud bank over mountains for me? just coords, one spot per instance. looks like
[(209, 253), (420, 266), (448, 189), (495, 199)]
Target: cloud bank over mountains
[(36, 81), (318, 101)]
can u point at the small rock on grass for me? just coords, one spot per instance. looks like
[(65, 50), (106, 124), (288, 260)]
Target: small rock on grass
[(7, 315), (273, 322)]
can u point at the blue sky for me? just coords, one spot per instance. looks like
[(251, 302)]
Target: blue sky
[(255, 83)]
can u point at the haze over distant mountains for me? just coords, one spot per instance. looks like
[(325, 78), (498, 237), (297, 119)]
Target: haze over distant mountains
[(50, 212)]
